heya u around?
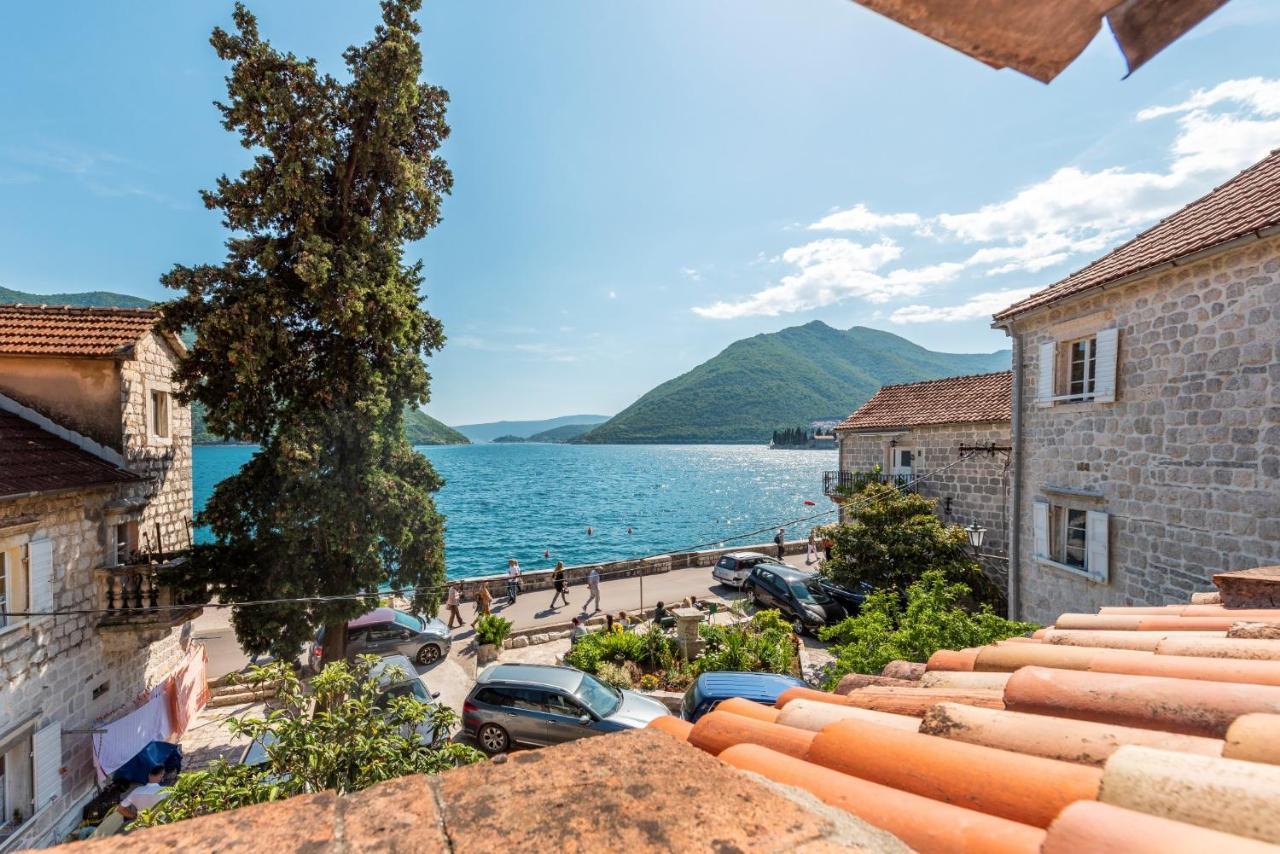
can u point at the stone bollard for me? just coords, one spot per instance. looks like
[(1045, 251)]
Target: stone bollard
[(687, 620)]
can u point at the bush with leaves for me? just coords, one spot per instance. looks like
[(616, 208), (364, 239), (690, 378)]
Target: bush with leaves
[(932, 619), (341, 736), (492, 629), (765, 643), (889, 537), (614, 674), (598, 648)]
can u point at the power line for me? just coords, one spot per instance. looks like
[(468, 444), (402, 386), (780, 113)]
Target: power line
[(351, 597)]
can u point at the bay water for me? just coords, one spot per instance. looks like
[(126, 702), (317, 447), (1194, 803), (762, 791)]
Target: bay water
[(528, 501)]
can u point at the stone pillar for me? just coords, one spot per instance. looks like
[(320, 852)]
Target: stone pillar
[(687, 620)]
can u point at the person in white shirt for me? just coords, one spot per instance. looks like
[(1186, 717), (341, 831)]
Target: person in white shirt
[(146, 796), (593, 585), (513, 580)]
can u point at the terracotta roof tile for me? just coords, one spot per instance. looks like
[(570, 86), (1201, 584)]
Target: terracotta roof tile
[(34, 460), (1247, 204), (31, 330), (976, 397)]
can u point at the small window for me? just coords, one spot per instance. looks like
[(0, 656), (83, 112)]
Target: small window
[(1082, 368), (160, 414), (18, 792), (14, 576), (1070, 547), (126, 536), (101, 690)]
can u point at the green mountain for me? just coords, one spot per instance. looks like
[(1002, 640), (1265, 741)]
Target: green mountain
[(566, 433), (92, 298), (779, 379), (491, 430), (419, 427)]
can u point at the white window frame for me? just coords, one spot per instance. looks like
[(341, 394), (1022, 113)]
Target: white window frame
[(16, 564), (1051, 522), (895, 456), (160, 416), (1089, 368), (18, 745), (1100, 363)]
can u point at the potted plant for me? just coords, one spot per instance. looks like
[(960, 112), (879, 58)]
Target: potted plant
[(491, 631)]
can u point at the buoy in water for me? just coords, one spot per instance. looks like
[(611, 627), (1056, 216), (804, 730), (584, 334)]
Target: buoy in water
[(628, 530), (588, 532), (811, 503)]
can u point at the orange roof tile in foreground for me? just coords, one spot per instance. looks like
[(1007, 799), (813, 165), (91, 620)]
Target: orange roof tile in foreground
[(748, 709), (895, 700), (1189, 667), (1022, 788), (1253, 738), (1082, 742), (1221, 794), (813, 715), (1092, 826), (952, 659), (1006, 659), (1135, 640), (1146, 623), (1188, 706), (672, 726), (1220, 647), (717, 730), (925, 824)]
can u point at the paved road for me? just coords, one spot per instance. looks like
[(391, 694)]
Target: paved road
[(529, 611)]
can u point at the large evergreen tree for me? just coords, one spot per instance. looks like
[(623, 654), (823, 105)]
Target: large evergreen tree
[(310, 335)]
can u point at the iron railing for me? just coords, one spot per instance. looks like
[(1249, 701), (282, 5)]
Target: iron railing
[(848, 482)]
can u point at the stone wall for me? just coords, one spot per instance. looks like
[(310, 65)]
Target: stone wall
[(166, 463), (1187, 459), (540, 579), (978, 487), (50, 667), (79, 394)]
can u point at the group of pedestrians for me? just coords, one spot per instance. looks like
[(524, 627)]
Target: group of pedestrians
[(484, 599)]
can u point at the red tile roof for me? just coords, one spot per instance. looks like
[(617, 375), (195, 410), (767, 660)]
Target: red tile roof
[(977, 397), (1245, 205), (32, 330), (34, 460)]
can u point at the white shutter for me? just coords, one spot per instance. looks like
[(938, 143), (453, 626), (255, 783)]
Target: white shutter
[(46, 753), (40, 575), (1044, 390), (1105, 349), (1097, 556), (1040, 527)]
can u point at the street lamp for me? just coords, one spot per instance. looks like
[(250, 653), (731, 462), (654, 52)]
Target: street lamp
[(975, 533)]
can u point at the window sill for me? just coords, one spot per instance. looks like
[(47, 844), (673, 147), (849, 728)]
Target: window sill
[(13, 630), (1079, 572), (159, 441)]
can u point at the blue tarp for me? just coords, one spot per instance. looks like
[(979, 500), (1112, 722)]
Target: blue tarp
[(156, 753)]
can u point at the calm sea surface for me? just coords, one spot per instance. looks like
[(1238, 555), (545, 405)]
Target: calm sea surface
[(518, 501)]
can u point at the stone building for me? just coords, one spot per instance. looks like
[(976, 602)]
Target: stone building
[(948, 440), (95, 492), (1146, 410)]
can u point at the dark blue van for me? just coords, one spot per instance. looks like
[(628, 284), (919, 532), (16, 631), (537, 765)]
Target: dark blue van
[(709, 689)]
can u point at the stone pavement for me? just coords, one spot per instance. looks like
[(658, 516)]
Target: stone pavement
[(207, 738)]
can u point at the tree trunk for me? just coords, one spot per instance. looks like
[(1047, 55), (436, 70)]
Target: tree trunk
[(335, 642)]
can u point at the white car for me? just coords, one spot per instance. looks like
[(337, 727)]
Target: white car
[(732, 569)]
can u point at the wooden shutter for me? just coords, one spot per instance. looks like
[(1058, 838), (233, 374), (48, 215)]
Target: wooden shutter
[(1040, 526), (40, 575), (1105, 350), (46, 763), (1044, 390), (1097, 555)]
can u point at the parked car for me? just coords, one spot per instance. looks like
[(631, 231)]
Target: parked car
[(541, 704), (798, 595), (848, 598), (386, 631), (710, 689), (732, 569), (396, 677)]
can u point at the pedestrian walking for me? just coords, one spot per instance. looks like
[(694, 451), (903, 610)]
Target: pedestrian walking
[(558, 582), (593, 585), (779, 539), (483, 598), (827, 543), (811, 555), (513, 580), (452, 600)]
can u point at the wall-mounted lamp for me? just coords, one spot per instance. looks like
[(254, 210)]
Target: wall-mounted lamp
[(975, 533), (893, 443)]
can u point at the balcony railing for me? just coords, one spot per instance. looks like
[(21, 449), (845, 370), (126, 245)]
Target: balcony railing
[(836, 483), (144, 593)]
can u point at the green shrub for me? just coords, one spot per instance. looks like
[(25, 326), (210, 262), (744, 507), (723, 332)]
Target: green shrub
[(492, 629), (649, 682), (614, 674), (931, 620), (764, 643)]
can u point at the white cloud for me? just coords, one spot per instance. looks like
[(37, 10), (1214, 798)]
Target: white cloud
[(613, 294), (858, 218), (979, 306), (691, 273), (1074, 213)]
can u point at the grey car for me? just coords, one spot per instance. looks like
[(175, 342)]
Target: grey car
[(539, 705), (386, 631)]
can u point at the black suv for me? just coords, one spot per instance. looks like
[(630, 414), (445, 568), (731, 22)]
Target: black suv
[(798, 595)]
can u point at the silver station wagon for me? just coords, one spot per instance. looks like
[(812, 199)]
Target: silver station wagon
[(386, 631), (540, 704)]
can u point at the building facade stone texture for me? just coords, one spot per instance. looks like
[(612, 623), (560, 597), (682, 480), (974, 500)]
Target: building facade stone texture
[(1185, 462)]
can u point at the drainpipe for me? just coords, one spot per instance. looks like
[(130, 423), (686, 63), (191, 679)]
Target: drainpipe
[(1015, 516)]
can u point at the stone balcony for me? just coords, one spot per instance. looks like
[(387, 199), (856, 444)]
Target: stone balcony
[(840, 484), (141, 599)]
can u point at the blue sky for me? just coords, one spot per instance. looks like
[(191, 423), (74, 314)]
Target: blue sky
[(638, 184)]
